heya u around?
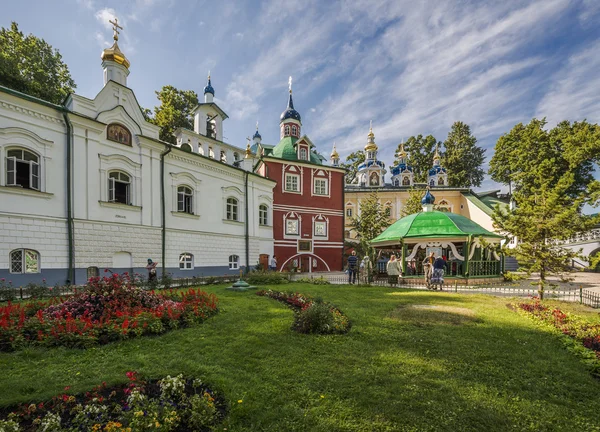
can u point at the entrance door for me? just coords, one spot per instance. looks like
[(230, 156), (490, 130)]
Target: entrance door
[(263, 260), (305, 260)]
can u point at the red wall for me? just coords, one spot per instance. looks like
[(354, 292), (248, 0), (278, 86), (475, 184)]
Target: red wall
[(301, 203)]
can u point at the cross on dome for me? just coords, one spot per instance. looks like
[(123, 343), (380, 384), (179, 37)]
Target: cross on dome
[(116, 28)]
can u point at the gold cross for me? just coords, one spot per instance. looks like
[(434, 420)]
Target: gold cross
[(116, 26)]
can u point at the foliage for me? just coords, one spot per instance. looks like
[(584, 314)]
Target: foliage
[(30, 65), (420, 151), (170, 404), (413, 203), (586, 333), (551, 172), (314, 281), (371, 221), (353, 160), (266, 278), (463, 158), (107, 310), (312, 316), (174, 111)]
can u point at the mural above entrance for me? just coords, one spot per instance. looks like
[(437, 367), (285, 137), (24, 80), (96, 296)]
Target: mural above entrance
[(118, 133)]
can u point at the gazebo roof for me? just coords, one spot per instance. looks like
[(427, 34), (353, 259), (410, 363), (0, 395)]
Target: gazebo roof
[(431, 225)]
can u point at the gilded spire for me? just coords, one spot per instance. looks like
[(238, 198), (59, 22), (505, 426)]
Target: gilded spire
[(436, 156), (248, 151), (402, 152), (114, 53), (334, 153), (371, 146)]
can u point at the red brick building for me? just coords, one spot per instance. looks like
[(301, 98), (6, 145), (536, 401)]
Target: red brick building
[(308, 201)]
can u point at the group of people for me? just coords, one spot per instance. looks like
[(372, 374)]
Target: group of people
[(433, 269)]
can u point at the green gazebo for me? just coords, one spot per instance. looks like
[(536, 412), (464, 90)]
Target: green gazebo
[(468, 248)]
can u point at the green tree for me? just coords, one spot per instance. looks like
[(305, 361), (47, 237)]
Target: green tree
[(463, 158), (353, 160), (552, 176), (371, 221), (420, 151), (30, 65), (413, 203), (174, 111)]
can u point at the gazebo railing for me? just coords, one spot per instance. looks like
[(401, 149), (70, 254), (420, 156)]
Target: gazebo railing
[(484, 268), (453, 268)]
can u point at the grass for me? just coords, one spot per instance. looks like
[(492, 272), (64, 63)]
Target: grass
[(413, 361)]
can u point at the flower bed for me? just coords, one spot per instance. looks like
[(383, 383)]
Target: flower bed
[(169, 404), (312, 316), (108, 309), (574, 327)]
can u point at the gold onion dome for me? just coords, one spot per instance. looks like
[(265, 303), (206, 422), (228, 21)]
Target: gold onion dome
[(114, 53), (371, 146), (402, 152), (334, 153)]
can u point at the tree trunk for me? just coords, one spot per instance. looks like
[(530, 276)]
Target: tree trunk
[(541, 283)]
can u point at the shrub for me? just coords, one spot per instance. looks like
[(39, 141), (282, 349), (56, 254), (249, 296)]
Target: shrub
[(170, 404), (266, 278), (314, 281), (312, 316)]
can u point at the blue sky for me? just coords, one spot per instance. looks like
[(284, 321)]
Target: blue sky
[(410, 66)]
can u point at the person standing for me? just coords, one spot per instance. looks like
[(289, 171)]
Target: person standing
[(273, 265), (151, 267), (352, 267), (393, 270), (365, 270), (437, 277), (428, 268)]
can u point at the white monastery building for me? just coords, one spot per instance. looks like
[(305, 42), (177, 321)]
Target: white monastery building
[(87, 186)]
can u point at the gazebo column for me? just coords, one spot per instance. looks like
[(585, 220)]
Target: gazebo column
[(404, 253), (467, 253)]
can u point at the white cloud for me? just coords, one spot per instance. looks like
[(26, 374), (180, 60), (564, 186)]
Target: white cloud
[(105, 15)]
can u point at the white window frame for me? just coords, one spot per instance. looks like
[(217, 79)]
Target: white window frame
[(111, 187), (34, 168), (234, 262), (296, 232), (23, 261), (181, 199), (324, 225), (232, 209), (349, 210), (303, 153), (290, 177), (294, 130), (263, 215), (322, 190), (286, 130), (186, 261)]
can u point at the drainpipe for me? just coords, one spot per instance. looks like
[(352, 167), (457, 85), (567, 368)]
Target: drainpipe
[(246, 173), (162, 205), (71, 247)]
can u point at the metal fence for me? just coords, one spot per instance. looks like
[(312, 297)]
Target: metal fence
[(499, 288)]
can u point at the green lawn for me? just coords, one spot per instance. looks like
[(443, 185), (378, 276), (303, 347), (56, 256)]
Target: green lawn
[(470, 363)]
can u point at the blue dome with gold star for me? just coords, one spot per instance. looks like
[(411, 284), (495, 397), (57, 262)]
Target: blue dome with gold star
[(290, 112)]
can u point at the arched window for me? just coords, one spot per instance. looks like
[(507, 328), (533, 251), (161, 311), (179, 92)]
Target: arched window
[(22, 169), (211, 153), (286, 130), (432, 182), (236, 157), (303, 153), (186, 261), (223, 157), (24, 261), (186, 147), (396, 182), (92, 272), (211, 127), (119, 187), (185, 200), (263, 212), (349, 211), (292, 225), (234, 262), (406, 181), (232, 209), (441, 181), (294, 130)]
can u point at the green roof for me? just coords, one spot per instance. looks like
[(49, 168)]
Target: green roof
[(433, 224), (286, 149)]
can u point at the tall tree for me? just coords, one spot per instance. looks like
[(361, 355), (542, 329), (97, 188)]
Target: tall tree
[(552, 176), (413, 203), (174, 111), (353, 160), (463, 158), (30, 65), (420, 151), (371, 221)]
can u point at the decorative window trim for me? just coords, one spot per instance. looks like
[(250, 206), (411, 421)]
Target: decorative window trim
[(298, 183), (303, 249), (292, 216), (234, 262), (120, 206), (263, 208), (320, 219), (26, 192), (232, 207), (186, 179), (320, 174), (185, 207), (184, 263), (117, 162)]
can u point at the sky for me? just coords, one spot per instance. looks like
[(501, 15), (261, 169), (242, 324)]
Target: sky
[(412, 67)]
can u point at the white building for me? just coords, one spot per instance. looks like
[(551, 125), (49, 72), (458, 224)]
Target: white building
[(88, 185)]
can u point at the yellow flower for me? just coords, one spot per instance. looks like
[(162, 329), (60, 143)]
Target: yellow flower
[(157, 424), (138, 413), (322, 397), (240, 401)]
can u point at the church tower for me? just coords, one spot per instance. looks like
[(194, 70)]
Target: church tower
[(114, 63), (208, 116), (290, 120), (371, 171), (437, 174), (209, 91), (335, 157), (402, 173)]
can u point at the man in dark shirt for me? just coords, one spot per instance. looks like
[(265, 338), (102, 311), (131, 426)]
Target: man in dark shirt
[(352, 267)]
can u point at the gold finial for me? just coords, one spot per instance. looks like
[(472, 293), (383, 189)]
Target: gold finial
[(290, 84), (371, 129), (334, 153), (209, 75), (116, 28)]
